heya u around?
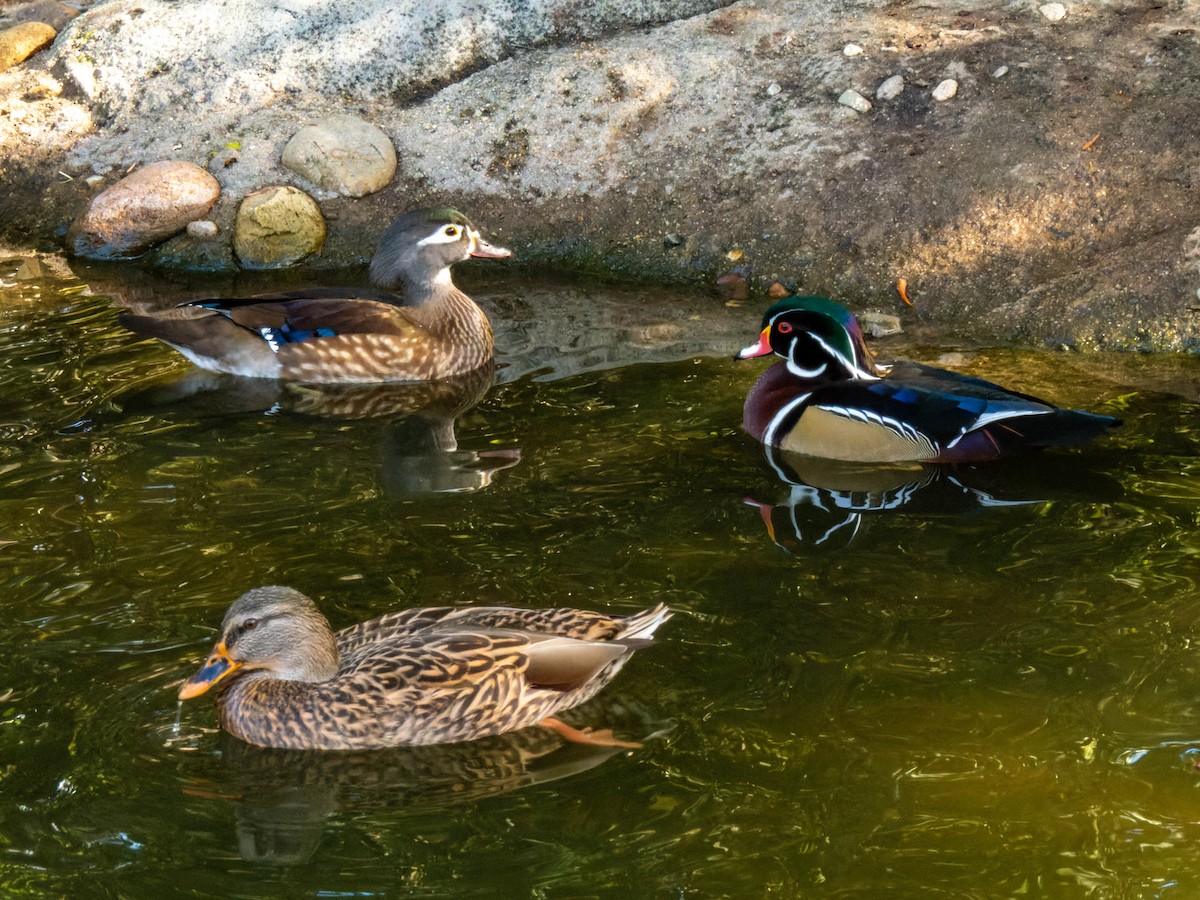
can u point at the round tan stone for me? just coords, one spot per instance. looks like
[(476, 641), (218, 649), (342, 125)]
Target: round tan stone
[(20, 42), (277, 226), (142, 209), (344, 154)]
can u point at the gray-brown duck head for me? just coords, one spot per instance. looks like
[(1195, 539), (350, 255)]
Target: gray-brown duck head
[(418, 249), (273, 629)]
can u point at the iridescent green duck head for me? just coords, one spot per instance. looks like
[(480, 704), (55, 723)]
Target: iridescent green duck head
[(418, 249), (276, 630), (819, 339)]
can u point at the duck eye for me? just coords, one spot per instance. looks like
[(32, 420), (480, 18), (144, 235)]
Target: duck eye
[(785, 328), (451, 231), (249, 624)]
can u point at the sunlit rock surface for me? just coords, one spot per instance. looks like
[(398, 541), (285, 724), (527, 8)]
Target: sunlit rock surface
[(342, 154), (277, 226), (655, 139), (19, 42), (143, 208)]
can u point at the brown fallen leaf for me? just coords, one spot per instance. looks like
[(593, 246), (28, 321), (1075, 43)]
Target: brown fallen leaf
[(733, 286), (1092, 142), (902, 290)]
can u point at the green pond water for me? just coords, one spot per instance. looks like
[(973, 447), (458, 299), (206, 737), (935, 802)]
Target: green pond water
[(980, 683)]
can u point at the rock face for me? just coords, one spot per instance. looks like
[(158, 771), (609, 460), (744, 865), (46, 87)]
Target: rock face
[(50, 12), (342, 154), (654, 137), (277, 226), (143, 208), (20, 42)]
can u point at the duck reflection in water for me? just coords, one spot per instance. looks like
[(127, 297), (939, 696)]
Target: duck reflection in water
[(419, 446), (829, 501), (283, 798)]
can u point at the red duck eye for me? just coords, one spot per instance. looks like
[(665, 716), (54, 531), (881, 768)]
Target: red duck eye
[(785, 328)]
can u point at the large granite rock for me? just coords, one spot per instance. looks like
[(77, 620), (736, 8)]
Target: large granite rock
[(1050, 199)]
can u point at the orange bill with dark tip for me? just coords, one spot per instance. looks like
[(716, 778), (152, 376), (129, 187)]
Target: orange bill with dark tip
[(219, 665), (762, 348)]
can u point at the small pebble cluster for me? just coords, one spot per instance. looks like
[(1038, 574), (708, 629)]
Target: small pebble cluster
[(946, 89), (275, 226)]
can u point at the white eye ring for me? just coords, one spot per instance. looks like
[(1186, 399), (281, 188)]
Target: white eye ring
[(446, 234)]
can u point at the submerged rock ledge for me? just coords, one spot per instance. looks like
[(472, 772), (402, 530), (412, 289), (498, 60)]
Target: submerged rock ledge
[(1052, 196)]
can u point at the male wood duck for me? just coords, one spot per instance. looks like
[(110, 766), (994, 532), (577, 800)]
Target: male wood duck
[(349, 335), (829, 398), (422, 676)]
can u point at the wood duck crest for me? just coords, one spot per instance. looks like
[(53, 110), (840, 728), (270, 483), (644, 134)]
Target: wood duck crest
[(830, 399), (818, 339), (349, 335)]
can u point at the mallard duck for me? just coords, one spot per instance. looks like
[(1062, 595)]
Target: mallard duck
[(828, 398), (349, 335), (422, 676)]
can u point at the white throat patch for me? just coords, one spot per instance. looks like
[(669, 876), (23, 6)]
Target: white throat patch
[(798, 370)]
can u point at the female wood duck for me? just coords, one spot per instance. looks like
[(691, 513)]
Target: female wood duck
[(829, 398), (422, 676), (349, 335)]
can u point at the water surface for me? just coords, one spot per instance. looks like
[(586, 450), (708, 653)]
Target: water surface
[(977, 683)]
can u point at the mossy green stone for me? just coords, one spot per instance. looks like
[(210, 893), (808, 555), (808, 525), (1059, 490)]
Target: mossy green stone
[(277, 226)]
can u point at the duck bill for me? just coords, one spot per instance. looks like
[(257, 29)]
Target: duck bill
[(481, 249), (217, 667), (764, 510), (762, 348)]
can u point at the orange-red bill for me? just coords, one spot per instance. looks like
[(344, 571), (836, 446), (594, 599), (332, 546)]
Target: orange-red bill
[(764, 510), (219, 665), (762, 348)]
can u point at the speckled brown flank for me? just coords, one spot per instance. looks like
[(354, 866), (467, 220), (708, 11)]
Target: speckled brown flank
[(421, 676)]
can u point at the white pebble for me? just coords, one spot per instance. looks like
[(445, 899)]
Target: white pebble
[(1054, 12), (94, 180), (891, 88), (1000, 72), (202, 228), (946, 90), (852, 50), (773, 89), (855, 101)]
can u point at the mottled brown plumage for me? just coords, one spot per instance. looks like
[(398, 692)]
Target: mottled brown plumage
[(434, 331), (422, 676)]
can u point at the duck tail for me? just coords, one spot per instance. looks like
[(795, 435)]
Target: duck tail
[(1061, 428), (1054, 428), (641, 626)]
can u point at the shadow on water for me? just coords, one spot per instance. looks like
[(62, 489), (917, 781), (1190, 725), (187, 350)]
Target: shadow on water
[(992, 691), (829, 503), (419, 447), (283, 798)]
